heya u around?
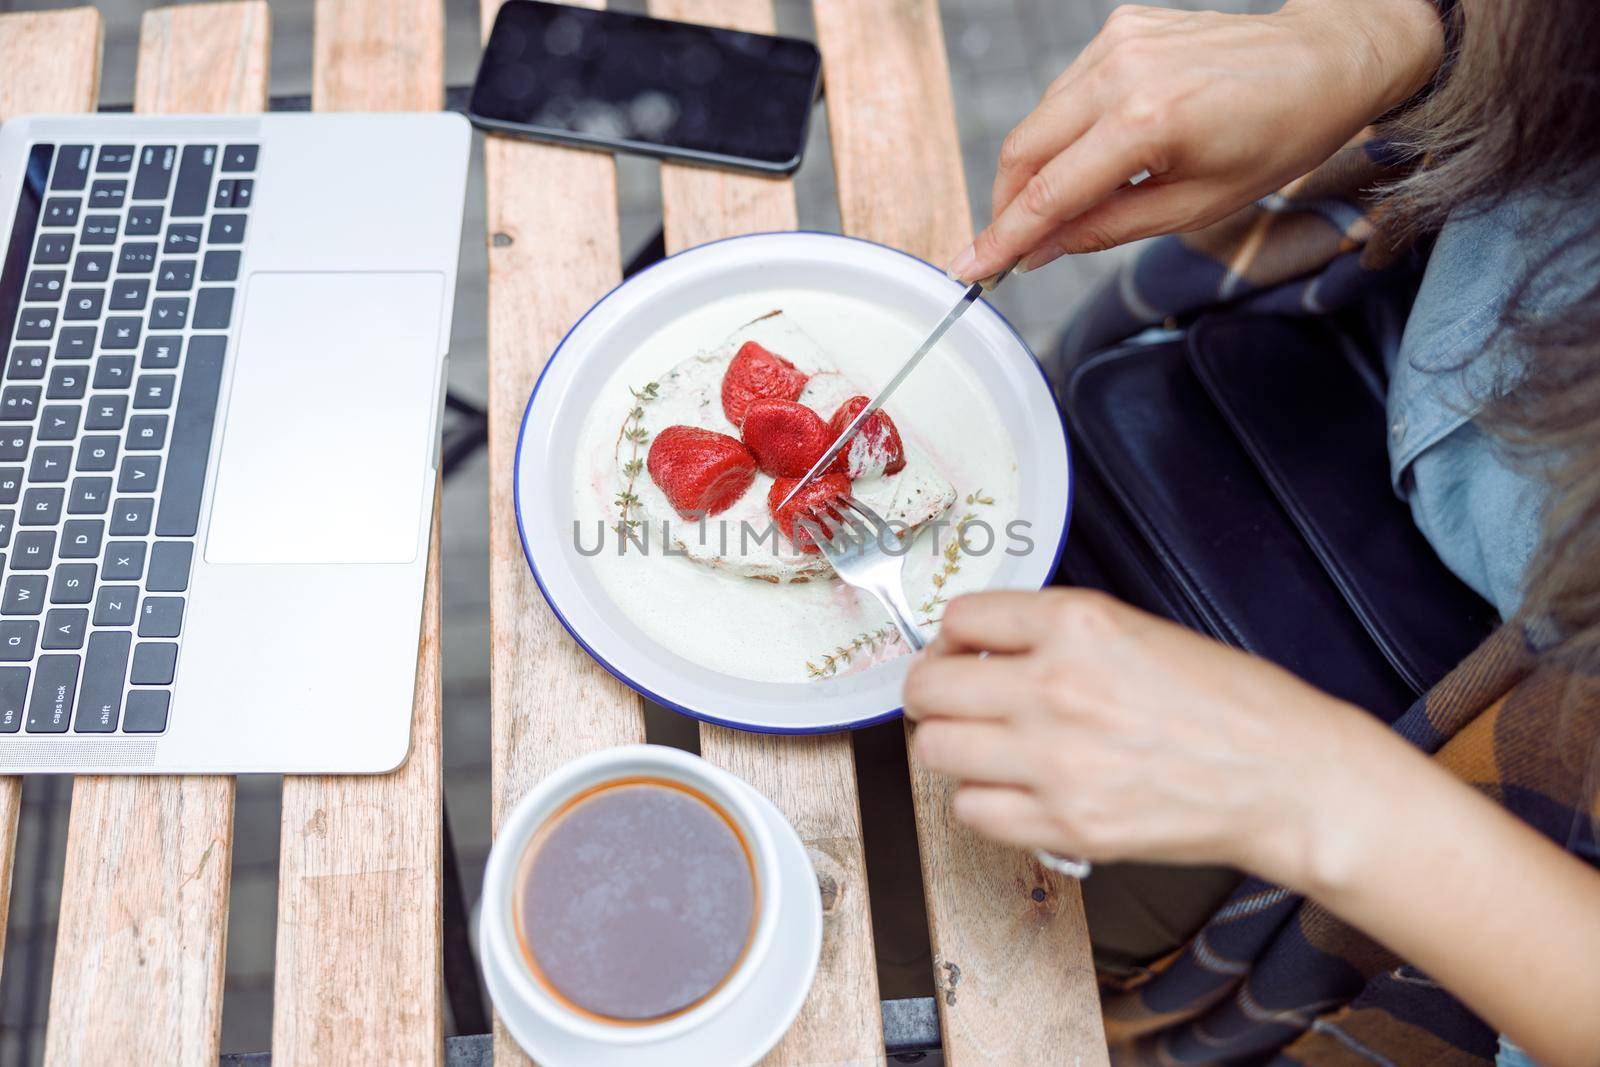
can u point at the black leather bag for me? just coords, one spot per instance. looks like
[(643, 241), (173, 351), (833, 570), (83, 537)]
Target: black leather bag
[(1233, 476)]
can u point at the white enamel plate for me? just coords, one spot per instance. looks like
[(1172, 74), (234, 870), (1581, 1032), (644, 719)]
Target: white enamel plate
[(812, 270)]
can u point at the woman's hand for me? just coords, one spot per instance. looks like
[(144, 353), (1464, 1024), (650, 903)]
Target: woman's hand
[(1219, 109), (1095, 730)]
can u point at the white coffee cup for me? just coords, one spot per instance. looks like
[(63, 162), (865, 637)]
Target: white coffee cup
[(498, 939)]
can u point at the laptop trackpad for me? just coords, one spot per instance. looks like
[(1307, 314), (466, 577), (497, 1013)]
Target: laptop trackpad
[(326, 447)]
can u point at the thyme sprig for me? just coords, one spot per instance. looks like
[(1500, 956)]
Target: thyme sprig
[(636, 435), (950, 566), (874, 641)]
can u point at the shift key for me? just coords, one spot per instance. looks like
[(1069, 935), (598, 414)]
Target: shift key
[(190, 447), (50, 708), (104, 667)]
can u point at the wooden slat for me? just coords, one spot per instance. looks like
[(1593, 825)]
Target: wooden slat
[(553, 251), (811, 779), (48, 62), (139, 951), (358, 973), (1013, 972)]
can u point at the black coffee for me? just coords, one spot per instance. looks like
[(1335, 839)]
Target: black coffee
[(636, 901)]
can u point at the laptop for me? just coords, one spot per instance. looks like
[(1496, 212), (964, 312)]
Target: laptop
[(225, 343)]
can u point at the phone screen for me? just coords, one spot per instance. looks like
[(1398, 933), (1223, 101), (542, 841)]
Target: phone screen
[(671, 88)]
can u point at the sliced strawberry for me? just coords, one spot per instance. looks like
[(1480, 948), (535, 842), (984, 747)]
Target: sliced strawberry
[(876, 447), (786, 437), (701, 471), (755, 374), (824, 489)]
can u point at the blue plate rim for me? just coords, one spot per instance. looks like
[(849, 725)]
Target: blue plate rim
[(527, 553)]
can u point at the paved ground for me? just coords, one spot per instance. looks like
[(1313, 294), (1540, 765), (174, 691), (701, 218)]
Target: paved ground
[(1002, 54)]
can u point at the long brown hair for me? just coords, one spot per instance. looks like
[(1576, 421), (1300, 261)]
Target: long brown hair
[(1519, 110)]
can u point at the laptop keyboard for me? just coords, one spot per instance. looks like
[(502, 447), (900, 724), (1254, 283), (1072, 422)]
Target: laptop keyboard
[(117, 293)]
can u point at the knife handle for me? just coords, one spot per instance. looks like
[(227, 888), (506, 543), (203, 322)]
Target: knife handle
[(992, 281)]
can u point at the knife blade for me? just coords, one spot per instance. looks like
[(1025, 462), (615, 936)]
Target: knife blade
[(968, 298)]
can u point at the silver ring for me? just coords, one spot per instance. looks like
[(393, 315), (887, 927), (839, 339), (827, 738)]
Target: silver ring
[(1063, 864)]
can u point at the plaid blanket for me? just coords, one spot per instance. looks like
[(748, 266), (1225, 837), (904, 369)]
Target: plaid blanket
[(1274, 977)]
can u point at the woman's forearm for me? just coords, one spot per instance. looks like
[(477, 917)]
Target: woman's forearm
[(1457, 886)]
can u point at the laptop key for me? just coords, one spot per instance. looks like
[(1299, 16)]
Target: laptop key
[(10, 484), (221, 265), (85, 304), (44, 285), (144, 220), (24, 594), (107, 193), (54, 248), (161, 616), (154, 663), (18, 639), (59, 422), (169, 566), (113, 372), (89, 496), (161, 353), (146, 711), (124, 562), (55, 683), (115, 159), (91, 267), (137, 257), (80, 538), (37, 324), (67, 382), (193, 188), (177, 275), (122, 333), (14, 441), (75, 342), (169, 313), (27, 363), (61, 211), (244, 190), (72, 167), (130, 516), (73, 583), (155, 390), (13, 698), (64, 628), (35, 550), (100, 229), (191, 438), (155, 172), (213, 309), (226, 230), (139, 474), (239, 157), (106, 412), (130, 294), (116, 605), (19, 403), (50, 463), (42, 507), (8, 522), (145, 433), (183, 239), (97, 453), (100, 698)]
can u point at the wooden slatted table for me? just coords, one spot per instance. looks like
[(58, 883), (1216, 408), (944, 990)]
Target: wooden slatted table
[(139, 958)]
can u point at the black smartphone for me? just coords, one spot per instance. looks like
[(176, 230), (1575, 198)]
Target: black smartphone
[(603, 79)]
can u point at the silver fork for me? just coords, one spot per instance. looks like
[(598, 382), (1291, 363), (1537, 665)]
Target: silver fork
[(853, 537), (855, 540)]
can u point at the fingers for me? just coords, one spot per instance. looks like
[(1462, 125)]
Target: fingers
[(1059, 120), (970, 751), (997, 621), (966, 687), (1087, 171), (1007, 814), (1131, 213)]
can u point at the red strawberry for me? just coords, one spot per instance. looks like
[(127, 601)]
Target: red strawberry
[(786, 437), (754, 374), (701, 471), (817, 494), (876, 447)]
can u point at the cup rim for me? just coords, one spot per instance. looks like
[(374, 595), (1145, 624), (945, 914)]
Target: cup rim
[(530, 814)]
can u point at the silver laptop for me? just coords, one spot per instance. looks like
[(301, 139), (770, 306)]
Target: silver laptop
[(225, 343)]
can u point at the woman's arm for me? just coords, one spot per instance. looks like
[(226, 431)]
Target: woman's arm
[(1094, 729), (1219, 109)]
